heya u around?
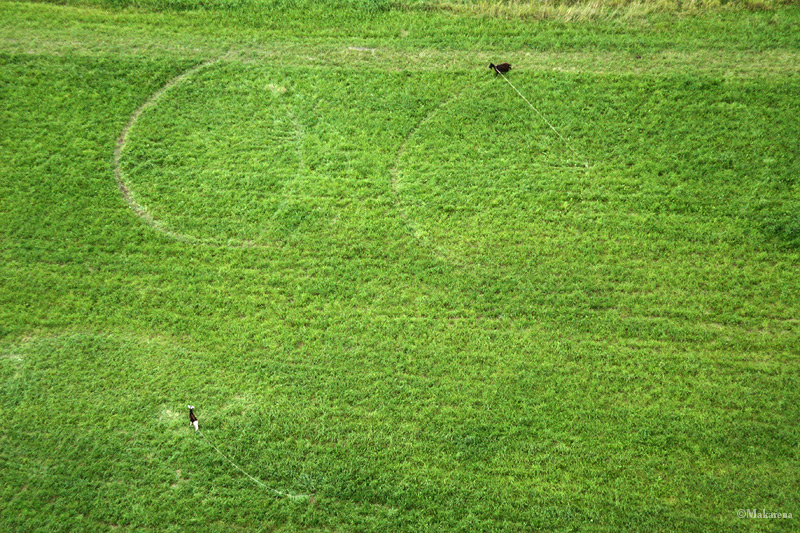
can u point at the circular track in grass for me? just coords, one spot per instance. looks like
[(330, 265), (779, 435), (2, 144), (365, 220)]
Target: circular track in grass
[(213, 159), (475, 179)]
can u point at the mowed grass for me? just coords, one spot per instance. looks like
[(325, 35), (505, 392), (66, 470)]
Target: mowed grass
[(385, 282)]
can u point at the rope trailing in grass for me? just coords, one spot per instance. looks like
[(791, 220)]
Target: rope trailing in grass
[(586, 163), (252, 478)]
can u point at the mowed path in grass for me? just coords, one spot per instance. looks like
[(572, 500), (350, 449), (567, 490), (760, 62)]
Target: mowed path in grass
[(386, 283)]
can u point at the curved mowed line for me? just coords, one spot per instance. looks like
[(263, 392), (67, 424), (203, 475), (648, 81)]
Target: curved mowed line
[(125, 190), (140, 211), (403, 199), (439, 251)]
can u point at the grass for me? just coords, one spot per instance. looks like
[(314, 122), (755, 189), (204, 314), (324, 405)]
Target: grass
[(384, 281)]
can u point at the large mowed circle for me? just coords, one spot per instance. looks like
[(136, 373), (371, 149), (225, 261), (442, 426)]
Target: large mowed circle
[(484, 179), (213, 158)]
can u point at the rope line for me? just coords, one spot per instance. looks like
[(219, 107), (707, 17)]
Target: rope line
[(543, 118), (252, 478)]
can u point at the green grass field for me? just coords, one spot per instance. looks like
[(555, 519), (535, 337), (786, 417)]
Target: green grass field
[(400, 298)]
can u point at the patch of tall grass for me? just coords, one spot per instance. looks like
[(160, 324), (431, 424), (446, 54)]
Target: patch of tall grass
[(567, 10), (578, 10)]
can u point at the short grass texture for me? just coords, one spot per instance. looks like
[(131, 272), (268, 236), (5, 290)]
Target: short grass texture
[(389, 287)]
